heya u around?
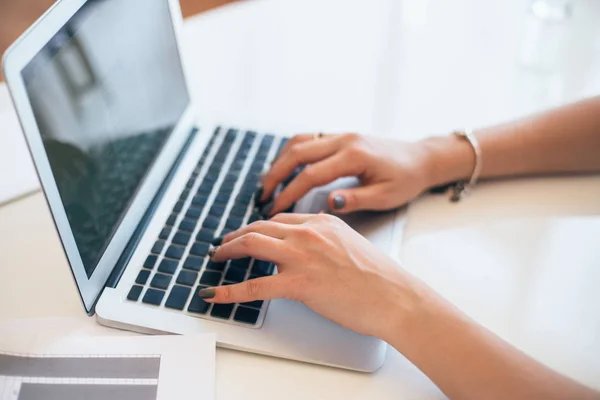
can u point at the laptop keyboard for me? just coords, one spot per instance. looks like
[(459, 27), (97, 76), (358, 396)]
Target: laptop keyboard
[(218, 198)]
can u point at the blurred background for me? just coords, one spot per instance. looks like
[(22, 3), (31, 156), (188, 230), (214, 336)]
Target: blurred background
[(17, 15)]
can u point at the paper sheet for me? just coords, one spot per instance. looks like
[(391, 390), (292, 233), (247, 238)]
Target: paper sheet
[(59, 358), (17, 173)]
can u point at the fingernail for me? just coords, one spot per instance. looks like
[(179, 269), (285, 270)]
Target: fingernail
[(338, 202), (217, 241), (207, 293), (267, 209), (258, 195), (212, 251)]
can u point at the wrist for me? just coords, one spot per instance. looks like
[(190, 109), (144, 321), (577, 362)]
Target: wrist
[(415, 321), (408, 300), (448, 159)]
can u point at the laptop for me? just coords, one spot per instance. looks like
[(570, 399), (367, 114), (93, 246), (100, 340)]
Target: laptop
[(138, 186)]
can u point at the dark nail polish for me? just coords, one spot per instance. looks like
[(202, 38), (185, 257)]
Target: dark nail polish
[(217, 241), (338, 202), (258, 195), (206, 293), (212, 251), (267, 209)]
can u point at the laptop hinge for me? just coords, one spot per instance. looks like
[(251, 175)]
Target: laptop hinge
[(119, 268)]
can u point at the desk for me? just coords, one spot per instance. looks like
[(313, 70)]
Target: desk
[(403, 69)]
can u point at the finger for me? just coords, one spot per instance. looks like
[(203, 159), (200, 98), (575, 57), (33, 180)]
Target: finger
[(298, 155), (252, 245), (372, 197), (296, 139), (267, 288), (301, 138), (316, 175), (268, 228), (292, 219)]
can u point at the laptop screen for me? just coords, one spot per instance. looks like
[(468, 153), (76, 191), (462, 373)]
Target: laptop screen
[(106, 91)]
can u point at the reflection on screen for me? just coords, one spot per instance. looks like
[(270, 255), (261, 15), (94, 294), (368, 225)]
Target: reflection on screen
[(106, 91)]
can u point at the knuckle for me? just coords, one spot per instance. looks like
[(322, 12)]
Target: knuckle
[(309, 234), (295, 152), (353, 137), (309, 173), (249, 240), (252, 288), (327, 218), (226, 294), (356, 151), (259, 225)]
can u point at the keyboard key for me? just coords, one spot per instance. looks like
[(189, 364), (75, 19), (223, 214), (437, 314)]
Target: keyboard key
[(199, 200), (238, 211), (210, 278), (193, 213), (246, 315), (150, 261), (134, 293), (184, 194), (211, 222), (168, 266), (200, 249), (178, 206), (233, 223), (197, 304), (193, 263), (217, 210), (235, 275), (178, 297), (158, 246), (153, 296), (263, 268), (222, 310), (160, 281), (164, 234), (227, 185), (254, 304), (171, 220), (187, 225), (175, 252), (205, 235), (187, 278), (142, 277), (241, 263), (181, 238), (222, 198), (215, 266)]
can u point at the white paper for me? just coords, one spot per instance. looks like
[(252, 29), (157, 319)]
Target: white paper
[(17, 173), (186, 363)]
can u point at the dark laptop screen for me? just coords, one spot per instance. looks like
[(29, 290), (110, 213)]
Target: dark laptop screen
[(106, 91)]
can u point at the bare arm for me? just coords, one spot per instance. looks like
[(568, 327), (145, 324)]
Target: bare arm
[(565, 140), (469, 362), (464, 359)]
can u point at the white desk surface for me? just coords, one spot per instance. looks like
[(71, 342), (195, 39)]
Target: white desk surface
[(520, 257)]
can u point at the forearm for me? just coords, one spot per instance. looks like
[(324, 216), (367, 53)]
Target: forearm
[(565, 140), (467, 361)]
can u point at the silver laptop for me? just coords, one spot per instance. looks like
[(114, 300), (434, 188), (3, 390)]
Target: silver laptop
[(138, 187)]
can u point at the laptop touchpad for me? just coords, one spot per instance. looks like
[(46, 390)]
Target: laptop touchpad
[(375, 226)]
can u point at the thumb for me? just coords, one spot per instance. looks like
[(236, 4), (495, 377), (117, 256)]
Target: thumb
[(266, 288), (372, 197)]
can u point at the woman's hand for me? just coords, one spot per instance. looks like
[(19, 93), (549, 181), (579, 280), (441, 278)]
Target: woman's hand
[(326, 265), (391, 173)]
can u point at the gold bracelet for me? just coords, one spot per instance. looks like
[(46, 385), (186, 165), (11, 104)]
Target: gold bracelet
[(463, 188)]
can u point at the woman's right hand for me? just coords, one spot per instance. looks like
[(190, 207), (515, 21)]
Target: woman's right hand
[(326, 265), (391, 173)]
